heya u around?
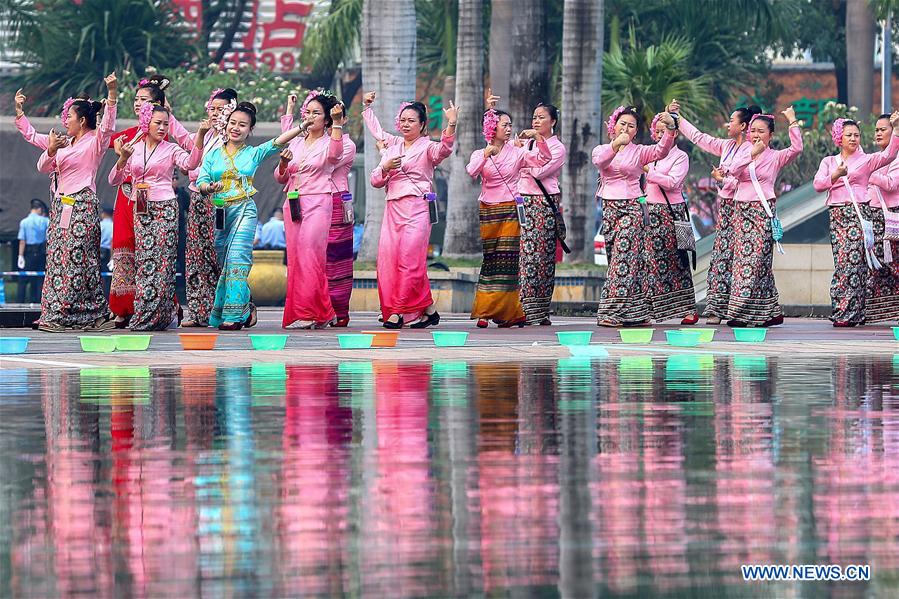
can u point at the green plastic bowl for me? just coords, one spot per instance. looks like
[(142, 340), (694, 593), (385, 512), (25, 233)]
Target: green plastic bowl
[(13, 345), (355, 341), (263, 342), (896, 333), (682, 338), (132, 342), (705, 335), (98, 344), (450, 338), (750, 335), (574, 337), (636, 335)]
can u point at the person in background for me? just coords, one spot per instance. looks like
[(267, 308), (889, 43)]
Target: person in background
[(257, 237), (105, 245), (33, 250), (272, 236)]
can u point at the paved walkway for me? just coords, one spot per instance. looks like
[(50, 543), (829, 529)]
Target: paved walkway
[(799, 336)]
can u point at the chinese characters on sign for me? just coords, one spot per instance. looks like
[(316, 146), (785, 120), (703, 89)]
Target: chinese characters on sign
[(270, 32)]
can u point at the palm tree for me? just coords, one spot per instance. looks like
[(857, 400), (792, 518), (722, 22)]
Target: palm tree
[(649, 78), (529, 80), (502, 13), (860, 55), (388, 66), (582, 42), (462, 230)]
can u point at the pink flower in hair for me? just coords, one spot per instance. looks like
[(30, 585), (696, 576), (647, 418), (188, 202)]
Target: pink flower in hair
[(613, 120), (143, 82), (145, 115), (309, 97), (212, 96), (64, 115), (652, 128), (836, 132), (403, 106), (491, 120)]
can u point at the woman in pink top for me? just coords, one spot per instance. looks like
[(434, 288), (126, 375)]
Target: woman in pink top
[(339, 266), (149, 163), (306, 168), (753, 293), (499, 166), (882, 298), (624, 301), (845, 179), (407, 172), (537, 258), (719, 273), (669, 280), (72, 296), (201, 271)]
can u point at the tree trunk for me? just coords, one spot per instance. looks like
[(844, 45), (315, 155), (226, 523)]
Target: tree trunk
[(860, 55), (529, 80), (502, 15), (582, 42), (388, 67), (462, 222)]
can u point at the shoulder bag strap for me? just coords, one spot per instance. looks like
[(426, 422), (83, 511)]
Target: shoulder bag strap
[(873, 262), (761, 196), (556, 213)]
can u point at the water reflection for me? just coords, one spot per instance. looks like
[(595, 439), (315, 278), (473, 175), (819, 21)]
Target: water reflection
[(639, 476)]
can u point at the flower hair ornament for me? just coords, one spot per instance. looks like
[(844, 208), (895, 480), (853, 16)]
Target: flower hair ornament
[(491, 120), (613, 119), (157, 80), (652, 128), (761, 116), (403, 106), (145, 116), (221, 122), (64, 115), (212, 96), (836, 132), (309, 97)]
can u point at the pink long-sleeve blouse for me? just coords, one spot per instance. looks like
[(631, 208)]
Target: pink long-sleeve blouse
[(77, 163), (38, 140), (726, 148), (859, 167), (621, 170), (667, 174), (155, 167), (547, 173), (341, 173), (884, 183), (768, 165), (500, 174), (312, 166)]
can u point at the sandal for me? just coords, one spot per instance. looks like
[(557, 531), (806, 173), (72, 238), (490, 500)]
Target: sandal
[(427, 320), (104, 323), (51, 327), (301, 324), (252, 319), (393, 326), (516, 322), (190, 323), (230, 326), (690, 319), (608, 323), (482, 323)]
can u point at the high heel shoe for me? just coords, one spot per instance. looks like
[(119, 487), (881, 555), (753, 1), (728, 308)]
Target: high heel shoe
[(253, 318), (427, 320), (482, 323), (341, 322), (690, 319), (517, 322), (393, 326)]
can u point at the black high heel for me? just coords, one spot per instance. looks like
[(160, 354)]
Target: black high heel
[(393, 325), (430, 321)]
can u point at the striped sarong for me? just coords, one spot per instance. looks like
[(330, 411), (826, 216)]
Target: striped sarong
[(339, 267), (497, 295)]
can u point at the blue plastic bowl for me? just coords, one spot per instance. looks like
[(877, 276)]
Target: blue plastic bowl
[(13, 345)]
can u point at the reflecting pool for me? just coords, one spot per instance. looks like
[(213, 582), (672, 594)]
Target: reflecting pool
[(634, 476)]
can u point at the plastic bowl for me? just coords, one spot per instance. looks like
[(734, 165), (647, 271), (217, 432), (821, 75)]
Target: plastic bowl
[(750, 335), (636, 335), (574, 337), (705, 335), (13, 345), (896, 333), (263, 342), (355, 341), (98, 344), (198, 340), (132, 342), (449, 338), (588, 351), (682, 338), (383, 338)]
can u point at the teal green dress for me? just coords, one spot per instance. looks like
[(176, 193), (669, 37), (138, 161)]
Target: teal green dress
[(234, 244)]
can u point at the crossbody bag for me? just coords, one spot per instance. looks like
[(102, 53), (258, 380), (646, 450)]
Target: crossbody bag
[(777, 230), (867, 230), (890, 227)]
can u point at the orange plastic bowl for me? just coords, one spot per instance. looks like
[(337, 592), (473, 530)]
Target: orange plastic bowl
[(383, 338), (198, 340)]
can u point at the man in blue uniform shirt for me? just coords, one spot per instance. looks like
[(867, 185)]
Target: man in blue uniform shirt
[(33, 250)]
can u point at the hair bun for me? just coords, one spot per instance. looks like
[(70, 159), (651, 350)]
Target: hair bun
[(753, 110), (160, 81)]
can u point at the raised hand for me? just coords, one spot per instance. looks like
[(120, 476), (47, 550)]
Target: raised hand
[(491, 99), (368, 98), (757, 148), (622, 140), (894, 119), (291, 103), (336, 112), (490, 150), (451, 114), (667, 119), (205, 125), (286, 155), (20, 102), (125, 151), (673, 106), (528, 134), (56, 141), (789, 114), (112, 84)]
